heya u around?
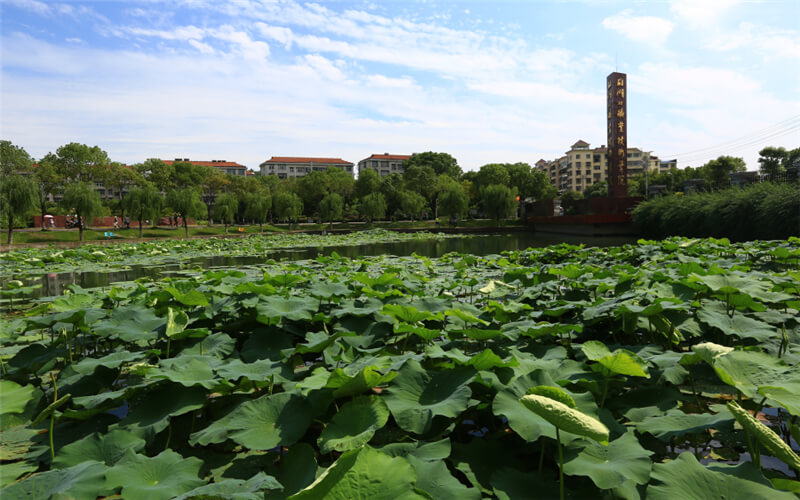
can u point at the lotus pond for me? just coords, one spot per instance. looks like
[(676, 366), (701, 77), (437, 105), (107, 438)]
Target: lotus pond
[(656, 370)]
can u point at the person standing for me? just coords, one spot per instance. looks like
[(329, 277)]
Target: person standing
[(116, 222)]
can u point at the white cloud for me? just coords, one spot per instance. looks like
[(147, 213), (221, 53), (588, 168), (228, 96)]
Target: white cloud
[(701, 13), (769, 42), (35, 6), (646, 29), (204, 48)]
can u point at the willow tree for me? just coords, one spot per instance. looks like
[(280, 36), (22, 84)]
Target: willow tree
[(257, 207), (17, 197), (225, 209), (143, 203), (81, 199), (186, 203)]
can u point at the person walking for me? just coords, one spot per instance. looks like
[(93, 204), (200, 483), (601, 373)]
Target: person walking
[(116, 222), (127, 222)]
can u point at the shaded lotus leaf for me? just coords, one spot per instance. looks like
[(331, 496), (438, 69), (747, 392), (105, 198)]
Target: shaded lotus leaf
[(354, 424), (85, 481), (296, 470), (164, 476), (260, 424), (15, 442), (86, 366), (610, 466), (106, 448), (426, 334), (130, 323), (358, 308), (687, 479), (14, 397), (510, 484), (409, 314), (327, 290), (218, 345), (677, 423), (487, 359), (435, 479), (260, 371), (11, 471), (364, 473), (361, 382), (187, 370), (75, 301), (480, 334), (238, 489), (165, 401), (417, 395), (273, 309)]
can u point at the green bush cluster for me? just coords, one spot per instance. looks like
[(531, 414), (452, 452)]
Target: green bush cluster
[(761, 211)]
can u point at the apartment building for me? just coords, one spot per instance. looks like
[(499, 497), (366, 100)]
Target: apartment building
[(226, 167), (384, 164), (582, 166), (291, 166)]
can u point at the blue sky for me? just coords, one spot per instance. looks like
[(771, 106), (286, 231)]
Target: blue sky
[(499, 81)]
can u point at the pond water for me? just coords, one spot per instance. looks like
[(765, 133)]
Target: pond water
[(54, 283)]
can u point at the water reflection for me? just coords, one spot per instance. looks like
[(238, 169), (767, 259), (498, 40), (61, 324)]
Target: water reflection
[(54, 284)]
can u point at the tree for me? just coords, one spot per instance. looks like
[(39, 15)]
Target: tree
[(498, 202), (412, 203), (441, 163), (117, 177), (157, 172), (225, 209), (312, 188), (81, 163), (492, 173), (368, 182), (13, 159), (213, 182), (186, 203), (373, 206), (143, 203), (539, 187), (392, 187), (568, 200), (453, 201), (257, 206), (331, 207), (49, 181), (83, 200), (423, 180), (287, 206), (17, 197), (719, 169), (772, 161), (340, 182), (597, 190)]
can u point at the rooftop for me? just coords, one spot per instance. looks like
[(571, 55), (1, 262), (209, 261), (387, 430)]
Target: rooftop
[(212, 163), (303, 159)]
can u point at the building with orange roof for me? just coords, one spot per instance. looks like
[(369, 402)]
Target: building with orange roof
[(224, 166), (384, 164)]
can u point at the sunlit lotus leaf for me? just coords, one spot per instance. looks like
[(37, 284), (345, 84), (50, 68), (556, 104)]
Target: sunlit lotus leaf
[(15, 442), (417, 395), (365, 379), (739, 325), (187, 370), (426, 334), (273, 308), (327, 290), (687, 479), (14, 397), (610, 466), (259, 371), (85, 481), (11, 471), (677, 423), (354, 424), (260, 424), (106, 448), (238, 489), (75, 301), (787, 395), (749, 370), (364, 473), (176, 322), (218, 345), (164, 476), (187, 297), (351, 307)]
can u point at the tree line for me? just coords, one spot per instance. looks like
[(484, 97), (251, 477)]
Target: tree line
[(432, 185)]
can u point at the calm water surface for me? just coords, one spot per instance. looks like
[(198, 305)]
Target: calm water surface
[(54, 283)]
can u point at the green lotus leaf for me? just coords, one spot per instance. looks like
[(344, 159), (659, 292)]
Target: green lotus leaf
[(361, 382), (610, 466), (435, 479), (187, 370), (87, 366), (408, 314), (687, 479), (508, 483), (164, 476), (106, 448), (566, 418), (273, 309), (236, 489), (188, 297), (677, 423), (11, 471), (261, 371), (85, 481), (176, 322), (14, 397), (297, 469), (437, 450), (15, 443), (130, 323), (166, 400), (739, 325), (328, 289), (260, 424), (75, 301), (417, 395), (364, 473), (621, 361), (358, 308), (787, 395), (426, 334), (487, 359), (354, 424), (749, 370)]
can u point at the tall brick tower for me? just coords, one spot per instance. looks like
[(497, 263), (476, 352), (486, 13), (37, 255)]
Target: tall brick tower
[(617, 120)]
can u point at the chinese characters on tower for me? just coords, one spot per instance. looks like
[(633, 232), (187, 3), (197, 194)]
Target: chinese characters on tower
[(616, 87)]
